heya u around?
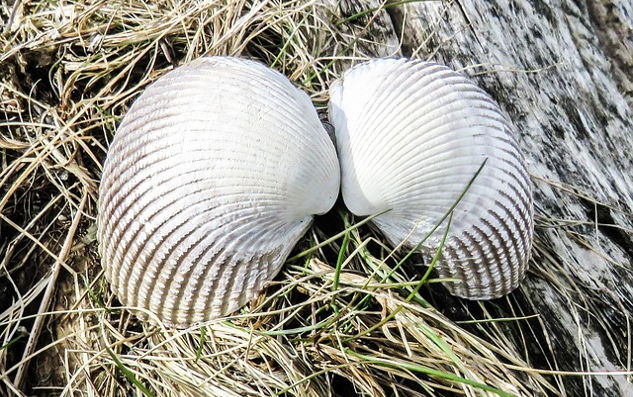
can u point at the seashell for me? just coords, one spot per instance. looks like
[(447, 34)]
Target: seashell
[(214, 174), (411, 136)]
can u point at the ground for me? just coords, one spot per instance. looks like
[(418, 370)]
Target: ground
[(338, 320)]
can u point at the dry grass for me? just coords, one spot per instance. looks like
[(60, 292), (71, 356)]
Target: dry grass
[(345, 318)]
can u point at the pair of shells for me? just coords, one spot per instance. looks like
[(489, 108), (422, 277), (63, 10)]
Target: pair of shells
[(219, 166)]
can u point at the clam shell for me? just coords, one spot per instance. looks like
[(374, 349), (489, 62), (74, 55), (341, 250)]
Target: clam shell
[(411, 136), (214, 174)]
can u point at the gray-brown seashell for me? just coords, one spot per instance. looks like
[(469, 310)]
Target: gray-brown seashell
[(411, 136), (214, 174)]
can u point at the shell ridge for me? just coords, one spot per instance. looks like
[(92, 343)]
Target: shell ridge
[(468, 269), (408, 120), (374, 94), (182, 251), (522, 229), (147, 210), (424, 183), (205, 290), (394, 149), (182, 301), (149, 171)]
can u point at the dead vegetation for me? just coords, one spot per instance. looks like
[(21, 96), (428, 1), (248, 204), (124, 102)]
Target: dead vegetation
[(344, 318)]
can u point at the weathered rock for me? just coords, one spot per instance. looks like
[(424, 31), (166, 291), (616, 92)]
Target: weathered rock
[(562, 72)]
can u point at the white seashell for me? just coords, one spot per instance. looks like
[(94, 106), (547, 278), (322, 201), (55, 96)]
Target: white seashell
[(213, 175), (411, 136)]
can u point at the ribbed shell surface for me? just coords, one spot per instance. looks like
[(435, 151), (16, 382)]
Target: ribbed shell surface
[(411, 136), (212, 177)]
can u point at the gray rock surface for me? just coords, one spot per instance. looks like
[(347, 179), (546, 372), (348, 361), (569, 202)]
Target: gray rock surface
[(562, 72)]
